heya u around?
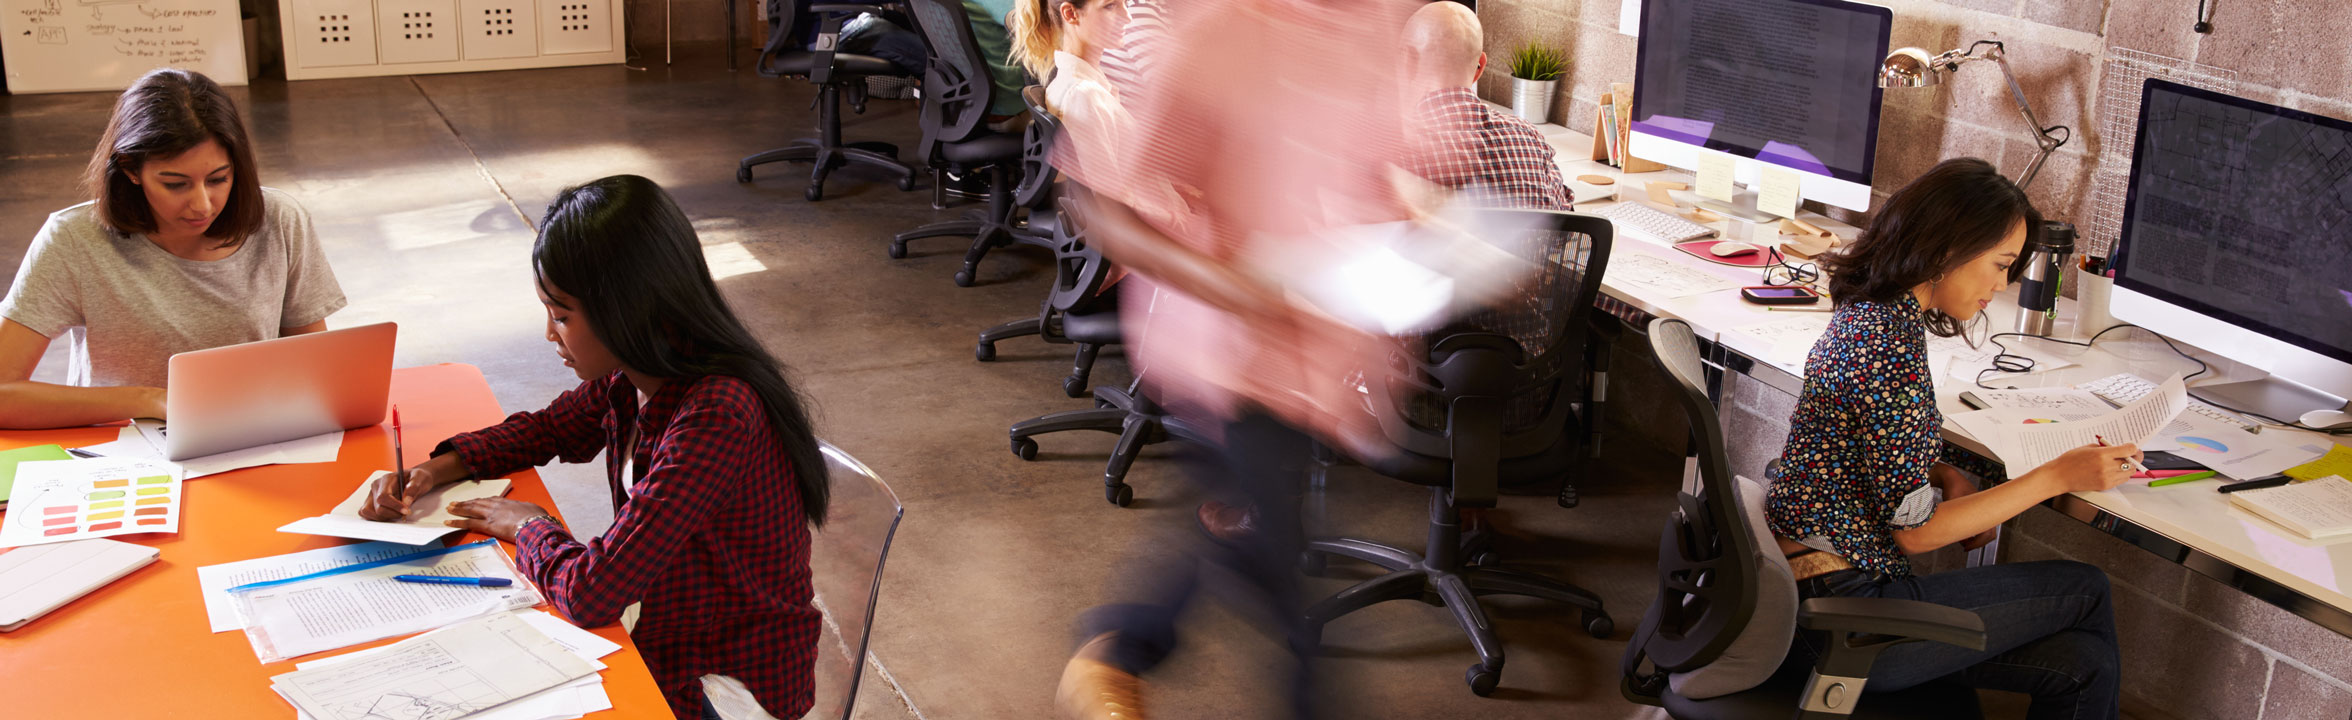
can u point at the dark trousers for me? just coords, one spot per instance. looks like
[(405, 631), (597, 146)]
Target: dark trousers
[(2049, 633), (1262, 463)]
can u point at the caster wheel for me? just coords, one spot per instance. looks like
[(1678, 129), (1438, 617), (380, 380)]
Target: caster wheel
[(906, 183), (742, 174), (1074, 386), (1121, 494), (1482, 681), (1312, 564), (1486, 559), (984, 351), (898, 251), (1599, 626), (814, 193), (1025, 448), (963, 278)]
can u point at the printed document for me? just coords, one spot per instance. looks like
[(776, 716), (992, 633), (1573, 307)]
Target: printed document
[(579, 697), (215, 580), (455, 672), (425, 521), (2023, 445), (351, 605)]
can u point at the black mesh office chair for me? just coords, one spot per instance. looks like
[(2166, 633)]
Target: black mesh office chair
[(1717, 581), (1490, 400), (832, 72), (956, 95), (1079, 273)]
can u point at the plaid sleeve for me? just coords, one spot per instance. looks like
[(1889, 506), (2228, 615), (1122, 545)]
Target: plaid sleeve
[(693, 464), (571, 428)]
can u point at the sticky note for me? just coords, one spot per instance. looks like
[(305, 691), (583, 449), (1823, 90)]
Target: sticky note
[(1779, 192), (2337, 461), (1715, 176)]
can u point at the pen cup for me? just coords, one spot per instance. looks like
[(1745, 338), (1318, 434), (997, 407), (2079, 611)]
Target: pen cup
[(2091, 291)]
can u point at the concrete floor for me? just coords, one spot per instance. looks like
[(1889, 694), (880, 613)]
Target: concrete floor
[(423, 189)]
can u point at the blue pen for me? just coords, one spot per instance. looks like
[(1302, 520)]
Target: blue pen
[(454, 580)]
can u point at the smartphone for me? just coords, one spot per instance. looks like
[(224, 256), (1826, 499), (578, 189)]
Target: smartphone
[(1779, 295)]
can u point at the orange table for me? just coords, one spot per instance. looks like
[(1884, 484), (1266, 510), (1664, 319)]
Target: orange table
[(141, 647)]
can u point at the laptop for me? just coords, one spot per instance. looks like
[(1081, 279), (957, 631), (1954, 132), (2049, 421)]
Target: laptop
[(242, 396)]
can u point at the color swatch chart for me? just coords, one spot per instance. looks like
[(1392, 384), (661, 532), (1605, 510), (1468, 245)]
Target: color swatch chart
[(60, 500)]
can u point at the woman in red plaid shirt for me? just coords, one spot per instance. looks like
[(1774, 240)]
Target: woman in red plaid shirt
[(708, 448)]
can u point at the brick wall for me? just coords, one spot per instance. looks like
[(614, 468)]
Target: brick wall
[(2192, 647)]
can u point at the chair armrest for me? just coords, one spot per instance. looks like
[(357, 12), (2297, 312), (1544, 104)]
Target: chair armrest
[(1910, 619), (838, 7)]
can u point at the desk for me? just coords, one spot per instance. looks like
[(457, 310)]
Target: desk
[(141, 647), (2188, 524)]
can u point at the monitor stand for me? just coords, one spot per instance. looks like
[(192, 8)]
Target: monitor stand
[(2281, 399), (1742, 206)]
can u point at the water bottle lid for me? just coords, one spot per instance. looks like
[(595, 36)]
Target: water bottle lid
[(2055, 237)]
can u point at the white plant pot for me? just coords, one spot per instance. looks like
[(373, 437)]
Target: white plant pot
[(1531, 100)]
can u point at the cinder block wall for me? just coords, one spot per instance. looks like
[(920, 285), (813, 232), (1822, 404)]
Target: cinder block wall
[(2192, 647)]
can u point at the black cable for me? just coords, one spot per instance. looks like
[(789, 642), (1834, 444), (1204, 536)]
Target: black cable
[(2005, 361), (2204, 21)]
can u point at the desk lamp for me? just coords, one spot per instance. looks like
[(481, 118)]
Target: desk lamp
[(1911, 67)]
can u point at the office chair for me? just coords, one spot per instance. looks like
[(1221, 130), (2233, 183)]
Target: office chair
[(1079, 272), (956, 138), (845, 571), (831, 72), (1490, 400), (1716, 637), (1088, 318)]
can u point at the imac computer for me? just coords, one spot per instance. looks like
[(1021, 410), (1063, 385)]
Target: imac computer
[(1787, 83), (2237, 238)]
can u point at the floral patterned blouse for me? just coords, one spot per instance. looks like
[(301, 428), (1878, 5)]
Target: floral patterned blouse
[(1864, 434)]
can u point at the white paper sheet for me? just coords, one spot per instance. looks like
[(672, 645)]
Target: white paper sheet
[(2023, 447), (1791, 338), (83, 498), (1660, 276), (2047, 404), (308, 615), (570, 700), (424, 523), (460, 670), (215, 580), (1963, 364), (2316, 509), (2230, 450), (144, 438)]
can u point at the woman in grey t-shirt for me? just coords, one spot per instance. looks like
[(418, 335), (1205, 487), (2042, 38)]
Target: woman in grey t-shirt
[(181, 249)]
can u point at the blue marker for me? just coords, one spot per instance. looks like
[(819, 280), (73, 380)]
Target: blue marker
[(454, 580)]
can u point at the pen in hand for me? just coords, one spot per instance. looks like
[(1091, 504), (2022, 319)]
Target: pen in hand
[(399, 459), (2135, 464)]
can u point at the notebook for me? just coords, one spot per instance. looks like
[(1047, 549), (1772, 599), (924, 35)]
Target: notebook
[(2317, 509), (9, 459), (39, 578)]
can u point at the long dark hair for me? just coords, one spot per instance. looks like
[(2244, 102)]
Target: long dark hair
[(1956, 211), (163, 114), (622, 248)]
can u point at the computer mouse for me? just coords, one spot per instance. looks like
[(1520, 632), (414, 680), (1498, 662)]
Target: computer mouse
[(1730, 248)]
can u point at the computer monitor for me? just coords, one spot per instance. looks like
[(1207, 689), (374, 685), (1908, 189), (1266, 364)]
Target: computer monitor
[(2237, 238), (1790, 83)]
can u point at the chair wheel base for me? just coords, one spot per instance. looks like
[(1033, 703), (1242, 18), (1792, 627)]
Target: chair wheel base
[(1074, 386), (743, 174), (898, 251), (906, 183), (1482, 680), (963, 278), (984, 351), (1026, 449), (1486, 559), (814, 193), (1599, 626), (1121, 494)]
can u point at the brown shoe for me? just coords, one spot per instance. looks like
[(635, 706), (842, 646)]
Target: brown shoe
[(1228, 523), (1095, 690)]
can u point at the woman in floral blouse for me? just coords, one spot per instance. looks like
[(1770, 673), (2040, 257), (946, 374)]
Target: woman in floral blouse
[(1859, 485)]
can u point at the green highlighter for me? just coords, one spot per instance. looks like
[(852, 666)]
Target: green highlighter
[(2178, 479), (9, 459)]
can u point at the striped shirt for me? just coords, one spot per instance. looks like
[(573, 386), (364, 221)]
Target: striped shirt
[(1126, 65)]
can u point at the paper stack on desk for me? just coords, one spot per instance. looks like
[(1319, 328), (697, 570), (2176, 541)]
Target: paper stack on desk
[(426, 520), (144, 439), (2025, 438), (2316, 509), (512, 666), (359, 603)]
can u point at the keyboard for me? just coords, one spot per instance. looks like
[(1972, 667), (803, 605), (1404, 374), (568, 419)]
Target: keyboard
[(2123, 388), (1653, 222)]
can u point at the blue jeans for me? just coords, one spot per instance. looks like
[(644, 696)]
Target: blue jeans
[(2049, 633)]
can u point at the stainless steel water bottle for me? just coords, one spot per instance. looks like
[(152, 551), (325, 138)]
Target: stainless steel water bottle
[(2045, 266)]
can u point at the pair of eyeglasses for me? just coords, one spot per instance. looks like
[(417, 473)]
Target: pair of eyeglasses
[(1779, 271)]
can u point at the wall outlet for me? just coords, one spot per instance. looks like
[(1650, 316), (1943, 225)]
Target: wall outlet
[(499, 28), (410, 31), (331, 33), (575, 26)]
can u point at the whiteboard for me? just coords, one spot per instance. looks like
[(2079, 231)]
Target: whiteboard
[(70, 45)]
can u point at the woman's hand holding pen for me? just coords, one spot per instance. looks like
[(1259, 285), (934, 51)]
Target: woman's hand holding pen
[(2090, 468), (389, 499)]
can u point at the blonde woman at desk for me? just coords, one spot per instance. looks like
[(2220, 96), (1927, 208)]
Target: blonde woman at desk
[(715, 474), (180, 248), (1064, 40), (1858, 482)]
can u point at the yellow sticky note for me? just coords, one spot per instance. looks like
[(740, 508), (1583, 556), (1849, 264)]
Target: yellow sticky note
[(2337, 461), (1715, 176), (1778, 196)]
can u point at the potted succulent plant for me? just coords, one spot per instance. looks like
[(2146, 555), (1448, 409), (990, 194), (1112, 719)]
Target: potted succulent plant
[(1535, 78)]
